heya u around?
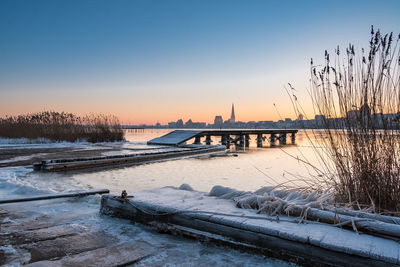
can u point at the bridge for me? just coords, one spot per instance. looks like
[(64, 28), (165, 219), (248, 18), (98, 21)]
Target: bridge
[(239, 137)]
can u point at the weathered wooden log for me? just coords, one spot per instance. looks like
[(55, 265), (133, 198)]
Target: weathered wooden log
[(276, 240), (360, 214), (52, 196)]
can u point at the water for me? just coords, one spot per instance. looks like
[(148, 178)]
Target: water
[(244, 170), (248, 170)]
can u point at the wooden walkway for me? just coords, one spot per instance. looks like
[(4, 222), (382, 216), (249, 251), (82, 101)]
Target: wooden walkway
[(125, 160), (63, 240), (175, 138), (239, 137)]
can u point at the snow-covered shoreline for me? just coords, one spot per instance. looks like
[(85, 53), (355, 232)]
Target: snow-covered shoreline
[(200, 211)]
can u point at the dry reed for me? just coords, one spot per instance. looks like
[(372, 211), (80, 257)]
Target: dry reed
[(359, 100), (62, 126)]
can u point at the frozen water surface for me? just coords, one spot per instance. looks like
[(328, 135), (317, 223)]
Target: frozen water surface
[(242, 170)]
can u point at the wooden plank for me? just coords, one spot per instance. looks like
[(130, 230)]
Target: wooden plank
[(9, 217), (52, 196), (43, 222), (117, 255), (31, 236), (60, 247)]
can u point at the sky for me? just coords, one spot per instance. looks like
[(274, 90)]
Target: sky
[(148, 61)]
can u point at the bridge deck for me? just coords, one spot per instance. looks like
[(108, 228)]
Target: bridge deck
[(178, 137), (174, 138)]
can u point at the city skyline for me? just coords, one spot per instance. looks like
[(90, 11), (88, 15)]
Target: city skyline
[(155, 61), (219, 122)]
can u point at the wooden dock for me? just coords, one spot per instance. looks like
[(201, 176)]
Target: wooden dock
[(30, 238), (240, 138), (125, 160), (312, 243)]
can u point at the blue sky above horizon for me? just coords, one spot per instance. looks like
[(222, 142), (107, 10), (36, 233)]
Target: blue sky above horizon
[(149, 61)]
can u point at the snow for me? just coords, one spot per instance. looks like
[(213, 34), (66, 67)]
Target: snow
[(318, 234), (174, 138), (22, 182), (46, 143), (169, 248), (25, 142), (21, 158)]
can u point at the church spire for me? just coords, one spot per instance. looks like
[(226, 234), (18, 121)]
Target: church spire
[(233, 119)]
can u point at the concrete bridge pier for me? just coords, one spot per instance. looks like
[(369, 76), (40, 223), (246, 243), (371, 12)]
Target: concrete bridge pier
[(272, 139), (246, 140), (225, 140), (228, 141), (197, 140), (208, 140), (293, 136), (259, 140), (282, 139), (241, 141)]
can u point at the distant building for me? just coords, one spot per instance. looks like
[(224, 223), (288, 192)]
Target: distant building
[(362, 114), (179, 123), (365, 111), (218, 121), (189, 123), (300, 117), (352, 114), (172, 124), (319, 121), (232, 119)]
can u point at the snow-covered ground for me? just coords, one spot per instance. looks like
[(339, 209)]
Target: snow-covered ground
[(171, 250), (40, 142), (223, 211)]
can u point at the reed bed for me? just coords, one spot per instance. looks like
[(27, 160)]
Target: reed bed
[(62, 126), (358, 97)]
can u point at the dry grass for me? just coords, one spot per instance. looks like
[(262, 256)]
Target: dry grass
[(62, 126), (359, 97)]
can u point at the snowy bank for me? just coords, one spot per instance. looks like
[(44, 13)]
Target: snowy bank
[(309, 242)]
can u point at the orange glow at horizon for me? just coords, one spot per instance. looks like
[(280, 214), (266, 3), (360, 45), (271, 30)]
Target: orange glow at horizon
[(150, 115)]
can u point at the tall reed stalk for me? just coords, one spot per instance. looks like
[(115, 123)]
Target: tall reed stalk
[(358, 97)]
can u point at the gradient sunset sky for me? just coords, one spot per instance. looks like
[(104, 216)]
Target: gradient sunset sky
[(158, 61)]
